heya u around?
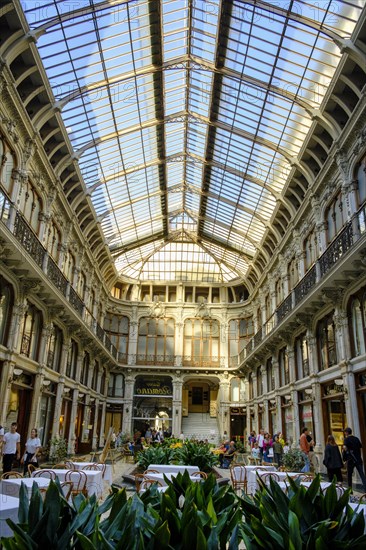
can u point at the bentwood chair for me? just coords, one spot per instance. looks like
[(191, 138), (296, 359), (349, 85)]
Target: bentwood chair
[(11, 475), (49, 474), (202, 475), (79, 481), (238, 475)]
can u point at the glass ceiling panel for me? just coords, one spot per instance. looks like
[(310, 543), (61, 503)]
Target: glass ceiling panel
[(228, 140)]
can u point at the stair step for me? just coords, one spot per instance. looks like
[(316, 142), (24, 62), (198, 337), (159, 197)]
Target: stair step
[(201, 426)]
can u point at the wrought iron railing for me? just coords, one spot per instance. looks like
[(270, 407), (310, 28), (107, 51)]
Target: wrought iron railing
[(303, 288), (284, 308), (154, 359), (25, 235), (56, 276), (75, 301), (341, 244), (28, 239), (205, 361)]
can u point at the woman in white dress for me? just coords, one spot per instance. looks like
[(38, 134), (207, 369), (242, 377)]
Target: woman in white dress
[(32, 448)]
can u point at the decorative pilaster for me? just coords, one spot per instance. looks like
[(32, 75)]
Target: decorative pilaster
[(177, 405), (72, 434), (58, 407)]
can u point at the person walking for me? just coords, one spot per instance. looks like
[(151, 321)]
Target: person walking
[(333, 459), (11, 448), (305, 448), (352, 455), (32, 448)]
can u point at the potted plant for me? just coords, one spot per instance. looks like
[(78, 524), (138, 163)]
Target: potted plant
[(57, 450), (293, 460)]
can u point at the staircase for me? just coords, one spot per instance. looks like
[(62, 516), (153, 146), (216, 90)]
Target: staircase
[(201, 426)]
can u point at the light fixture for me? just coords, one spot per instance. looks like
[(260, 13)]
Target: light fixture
[(288, 397), (15, 375), (46, 383), (272, 401), (67, 390), (308, 391), (338, 381)]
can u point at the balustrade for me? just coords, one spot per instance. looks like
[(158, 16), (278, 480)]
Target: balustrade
[(75, 301), (336, 249), (29, 241), (56, 276), (303, 288)]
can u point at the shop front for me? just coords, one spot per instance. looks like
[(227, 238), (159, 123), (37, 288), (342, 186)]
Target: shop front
[(152, 404)]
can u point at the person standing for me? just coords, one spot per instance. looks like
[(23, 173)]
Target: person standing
[(32, 448), (11, 448), (305, 448), (277, 451), (260, 441), (332, 459), (352, 455)]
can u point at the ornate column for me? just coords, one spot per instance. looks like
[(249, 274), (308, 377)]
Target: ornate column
[(318, 419), (15, 333), (320, 228), (342, 335), (7, 373), (265, 411), (58, 406), (132, 341), (291, 363), (295, 412), (74, 410), (350, 396), (17, 177), (36, 397), (312, 351), (224, 400), (128, 402), (177, 405)]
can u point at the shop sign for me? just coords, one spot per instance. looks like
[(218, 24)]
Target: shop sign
[(153, 387)]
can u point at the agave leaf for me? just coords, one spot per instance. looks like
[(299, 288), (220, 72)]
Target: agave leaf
[(23, 504), (23, 540), (201, 543), (162, 534), (52, 503), (295, 540), (211, 511), (35, 506), (85, 542)]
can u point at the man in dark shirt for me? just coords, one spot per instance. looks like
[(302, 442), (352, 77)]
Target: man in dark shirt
[(352, 447)]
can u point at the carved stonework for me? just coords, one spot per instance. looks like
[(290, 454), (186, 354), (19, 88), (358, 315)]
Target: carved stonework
[(202, 311), (10, 126), (28, 150), (361, 141), (157, 310)]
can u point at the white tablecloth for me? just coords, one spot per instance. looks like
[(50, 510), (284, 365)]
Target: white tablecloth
[(11, 487), (108, 469), (160, 477), (173, 468), (253, 480), (94, 482), (9, 507), (251, 472)]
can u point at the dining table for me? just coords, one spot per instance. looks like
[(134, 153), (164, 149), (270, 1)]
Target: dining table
[(9, 507), (161, 477), (11, 487), (173, 468), (107, 473), (251, 473), (94, 483)]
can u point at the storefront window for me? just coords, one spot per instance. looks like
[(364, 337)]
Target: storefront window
[(152, 403), (46, 416)]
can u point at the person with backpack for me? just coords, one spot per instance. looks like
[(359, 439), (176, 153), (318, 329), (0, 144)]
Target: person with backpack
[(352, 456)]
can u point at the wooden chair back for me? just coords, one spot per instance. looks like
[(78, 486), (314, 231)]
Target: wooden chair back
[(49, 474), (11, 475), (238, 475), (66, 487), (202, 475), (31, 468), (79, 480)]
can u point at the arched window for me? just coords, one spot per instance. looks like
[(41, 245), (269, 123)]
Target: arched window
[(55, 343), (361, 182), (334, 217), (301, 356), (95, 375), (284, 367), (310, 250), (201, 342), (326, 342), (279, 291), (117, 328), (31, 332), (81, 284), (7, 163), (259, 382), (53, 240), (235, 390), (155, 341), (357, 322), (6, 306), (69, 266), (116, 385), (240, 332), (293, 273), (270, 375), (85, 369), (72, 358)]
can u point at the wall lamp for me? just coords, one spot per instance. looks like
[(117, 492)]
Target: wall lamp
[(45, 384), (16, 374)]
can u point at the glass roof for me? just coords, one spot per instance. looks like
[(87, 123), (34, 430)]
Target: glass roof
[(186, 116)]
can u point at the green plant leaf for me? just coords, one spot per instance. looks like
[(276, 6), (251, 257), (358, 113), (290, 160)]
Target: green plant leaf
[(162, 535), (295, 540)]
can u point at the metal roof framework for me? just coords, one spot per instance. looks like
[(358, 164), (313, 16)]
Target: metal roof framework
[(186, 115)]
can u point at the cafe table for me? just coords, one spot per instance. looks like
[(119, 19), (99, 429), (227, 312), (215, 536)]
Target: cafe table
[(94, 484), (11, 487), (173, 468), (9, 507), (107, 473), (168, 475)]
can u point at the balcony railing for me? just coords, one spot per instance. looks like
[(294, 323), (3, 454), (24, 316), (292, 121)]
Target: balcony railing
[(152, 359), (335, 251), (29, 241)]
